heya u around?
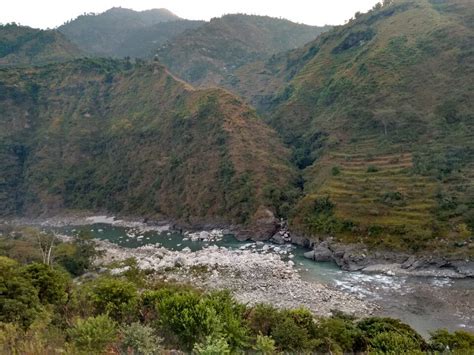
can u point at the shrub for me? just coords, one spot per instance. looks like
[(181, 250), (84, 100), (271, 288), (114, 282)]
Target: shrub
[(51, 284), (394, 343), (374, 326), (262, 318), (289, 336), (139, 339), (335, 171), (187, 316), (372, 169), (93, 334), (116, 297), (442, 339), (340, 334), (212, 346), (264, 345), (230, 316)]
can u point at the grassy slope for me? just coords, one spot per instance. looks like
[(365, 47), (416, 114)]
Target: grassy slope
[(24, 46), (101, 134), (380, 115), (211, 53)]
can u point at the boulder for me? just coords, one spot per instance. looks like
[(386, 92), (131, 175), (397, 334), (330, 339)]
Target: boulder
[(265, 225), (278, 238), (322, 253)]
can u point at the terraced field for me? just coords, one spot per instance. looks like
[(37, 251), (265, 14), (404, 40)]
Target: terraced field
[(379, 190)]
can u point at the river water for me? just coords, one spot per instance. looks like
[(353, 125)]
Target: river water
[(425, 303)]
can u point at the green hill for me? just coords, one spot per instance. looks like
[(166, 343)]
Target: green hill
[(108, 135), (120, 32), (379, 113), (212, 52), (20, 45)]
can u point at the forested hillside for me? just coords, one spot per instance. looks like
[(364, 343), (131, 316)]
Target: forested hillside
[(207, 55), (111, 135), (22, 46)]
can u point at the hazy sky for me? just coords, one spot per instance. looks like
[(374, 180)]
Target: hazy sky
[(52, 13)]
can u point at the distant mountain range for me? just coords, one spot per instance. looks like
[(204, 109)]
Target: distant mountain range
[(121, 32)]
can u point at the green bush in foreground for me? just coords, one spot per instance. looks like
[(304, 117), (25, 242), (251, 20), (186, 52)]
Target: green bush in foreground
[(43, 313), (93, 334)]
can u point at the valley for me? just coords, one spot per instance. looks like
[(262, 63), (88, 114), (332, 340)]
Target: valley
[(317, 181)]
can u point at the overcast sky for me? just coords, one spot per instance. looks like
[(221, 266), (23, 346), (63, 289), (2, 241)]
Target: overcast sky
[(52, 13)]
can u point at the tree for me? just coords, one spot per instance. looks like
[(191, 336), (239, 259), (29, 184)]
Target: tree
[(51, 284), (19, 302), (79, 256)]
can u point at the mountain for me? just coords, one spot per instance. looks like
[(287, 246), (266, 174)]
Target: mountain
[(212, 52), (20, 45), (100, 134), (143, 42), (379, 114), (120, 32)]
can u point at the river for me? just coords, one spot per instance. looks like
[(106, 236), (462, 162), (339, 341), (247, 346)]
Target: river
[(425, 303)]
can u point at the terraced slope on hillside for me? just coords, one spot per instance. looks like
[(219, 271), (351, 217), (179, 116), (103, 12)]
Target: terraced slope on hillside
[(211, 53), (22, 46), (380, 115), (103, 134)]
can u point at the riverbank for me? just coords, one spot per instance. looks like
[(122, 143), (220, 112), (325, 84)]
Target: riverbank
[(356, 257), (252, 276), (349, 257)]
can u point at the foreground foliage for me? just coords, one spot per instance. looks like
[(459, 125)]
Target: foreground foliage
[(44, 310)]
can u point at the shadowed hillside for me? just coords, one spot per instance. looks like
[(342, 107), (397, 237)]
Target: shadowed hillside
[(211, 53), (120, 32), (21, 46), (103, 134)]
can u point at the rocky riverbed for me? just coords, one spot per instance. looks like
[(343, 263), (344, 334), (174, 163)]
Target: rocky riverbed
[(252, 276)]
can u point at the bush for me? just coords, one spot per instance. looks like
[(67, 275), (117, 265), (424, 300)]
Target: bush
[(264, 345), (116, 297), (289, 336), (394, 343), (212, 346), (93, 334), (51, 284), (139, 339), (187, 316), (230, 316), (340, 334), (374, 326), (262, 318), (335, 171), (372, 169), (442, 339)]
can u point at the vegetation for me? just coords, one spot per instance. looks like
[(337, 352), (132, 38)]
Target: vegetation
[(221, 50), (23, 46), (120, 32), (44, 311), (130, 138), (353, 106)]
